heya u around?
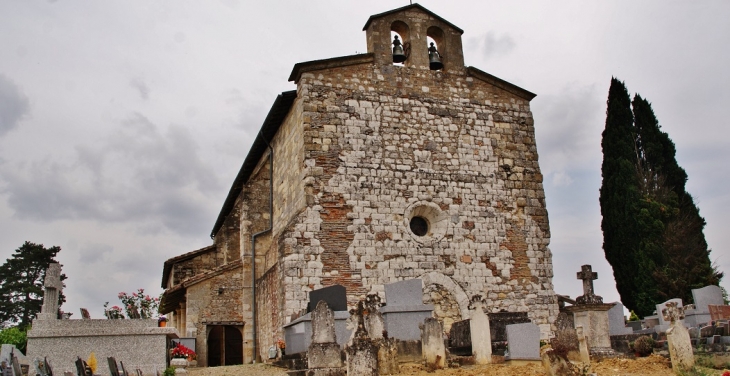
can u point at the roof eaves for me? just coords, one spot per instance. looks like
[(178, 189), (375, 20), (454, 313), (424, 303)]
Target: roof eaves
[(500, 83), (278, 112), (167, 268), (419, 6), (334, 62)]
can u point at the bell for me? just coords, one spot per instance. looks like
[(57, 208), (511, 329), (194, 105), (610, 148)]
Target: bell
[(434, 58), (399, 55)]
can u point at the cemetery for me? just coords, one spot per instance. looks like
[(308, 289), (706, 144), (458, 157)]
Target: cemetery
[(347, 287)]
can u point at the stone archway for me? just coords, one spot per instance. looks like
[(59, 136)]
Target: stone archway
[(449, 299)]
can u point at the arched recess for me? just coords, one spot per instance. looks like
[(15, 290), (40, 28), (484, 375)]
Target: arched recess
[(436, 35), (436, 278), (224, 345), (403, 31)]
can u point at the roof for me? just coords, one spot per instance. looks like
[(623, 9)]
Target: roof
[(167, 268), (416, 6), (334, 62), (500, 83), (278, 112), (177, 294)]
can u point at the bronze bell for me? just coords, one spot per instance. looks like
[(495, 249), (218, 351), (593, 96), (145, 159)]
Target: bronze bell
[(399, 55), (434, 58)]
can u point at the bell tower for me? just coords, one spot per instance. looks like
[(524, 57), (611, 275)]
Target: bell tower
[(414, 24)]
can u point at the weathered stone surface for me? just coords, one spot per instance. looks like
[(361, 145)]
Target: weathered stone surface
[(323, 324), (481, 344), (585, 355), (523, 341), (362, 358), (361, 149), (324, 355), (434, 351), (680, 345)]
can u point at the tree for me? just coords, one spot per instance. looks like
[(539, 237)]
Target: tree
[(652, 228), (619, 193), (21, 283)]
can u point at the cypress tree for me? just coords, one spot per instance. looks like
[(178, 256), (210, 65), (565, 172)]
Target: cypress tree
[(651, 226), (619, 193)]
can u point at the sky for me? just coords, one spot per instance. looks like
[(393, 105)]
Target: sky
[(123, 123)]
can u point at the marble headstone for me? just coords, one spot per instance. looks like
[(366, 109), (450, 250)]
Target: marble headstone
[(616, 321), (523, 341)]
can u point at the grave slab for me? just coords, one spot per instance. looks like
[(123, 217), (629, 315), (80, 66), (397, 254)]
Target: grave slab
[(404, 309), (524, 344), (617, 321)]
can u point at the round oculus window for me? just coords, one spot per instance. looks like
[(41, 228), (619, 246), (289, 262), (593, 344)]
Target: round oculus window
[(419, 226)]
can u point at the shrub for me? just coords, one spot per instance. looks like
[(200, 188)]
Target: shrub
[(644, 345), (14, 336), (169, 371)]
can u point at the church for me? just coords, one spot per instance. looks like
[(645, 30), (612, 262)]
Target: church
[(395, 164)]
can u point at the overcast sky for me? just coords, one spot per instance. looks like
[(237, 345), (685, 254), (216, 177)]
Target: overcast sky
[(123, 123)]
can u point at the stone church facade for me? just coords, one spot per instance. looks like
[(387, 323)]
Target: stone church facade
[(369, 173)]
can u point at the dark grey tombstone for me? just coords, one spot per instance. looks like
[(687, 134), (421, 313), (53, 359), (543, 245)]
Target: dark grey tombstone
[(85, 314), (335, 296), (47, 366), (82, 369), (113, 369)]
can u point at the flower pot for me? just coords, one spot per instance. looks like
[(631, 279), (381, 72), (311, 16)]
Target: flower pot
[(178, 362), (162, 324)]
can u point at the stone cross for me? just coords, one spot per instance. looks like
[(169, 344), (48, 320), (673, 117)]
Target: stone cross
[(679, 342), (53, 287), (588, 297)]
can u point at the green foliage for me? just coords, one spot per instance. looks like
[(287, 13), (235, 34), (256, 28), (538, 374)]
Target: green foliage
[(169, 371), (14, 336), (652, 229), (633, 316), (21, 283)]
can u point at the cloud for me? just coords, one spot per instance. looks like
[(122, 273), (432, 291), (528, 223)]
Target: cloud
[(154, 180), (139, 84), (494, 45), (568, 125), (13, 105)]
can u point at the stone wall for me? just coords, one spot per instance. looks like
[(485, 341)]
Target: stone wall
[(384, 144), (199, 264), (137, 343), (206, 303)]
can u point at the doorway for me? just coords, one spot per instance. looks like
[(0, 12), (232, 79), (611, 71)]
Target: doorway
[(225, 345)]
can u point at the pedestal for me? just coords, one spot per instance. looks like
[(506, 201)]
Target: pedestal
[(594, 320)]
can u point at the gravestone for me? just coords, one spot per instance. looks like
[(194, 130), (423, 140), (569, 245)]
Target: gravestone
[(53, 287), (16, 365), (708, 295), (585, 355), (82, 369), (660, 308), (323, 355), (85, 314), (524, 343), (566, 338), (617, 321), (113, 369), (404, 309), (481, 344), (373, 319), (592, 314), (362, 354), (432, 344), (335, 296), (680, 345)]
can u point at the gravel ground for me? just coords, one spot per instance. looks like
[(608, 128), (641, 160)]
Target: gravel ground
[(650, 366)]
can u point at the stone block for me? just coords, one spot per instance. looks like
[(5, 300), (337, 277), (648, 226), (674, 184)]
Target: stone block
[(708, 295), (617, 321), (523, 341), (335, 296), (324, 355)]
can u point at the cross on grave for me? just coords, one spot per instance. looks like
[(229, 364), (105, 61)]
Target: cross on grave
[(675, 313), (53, 286), (588, 275)]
